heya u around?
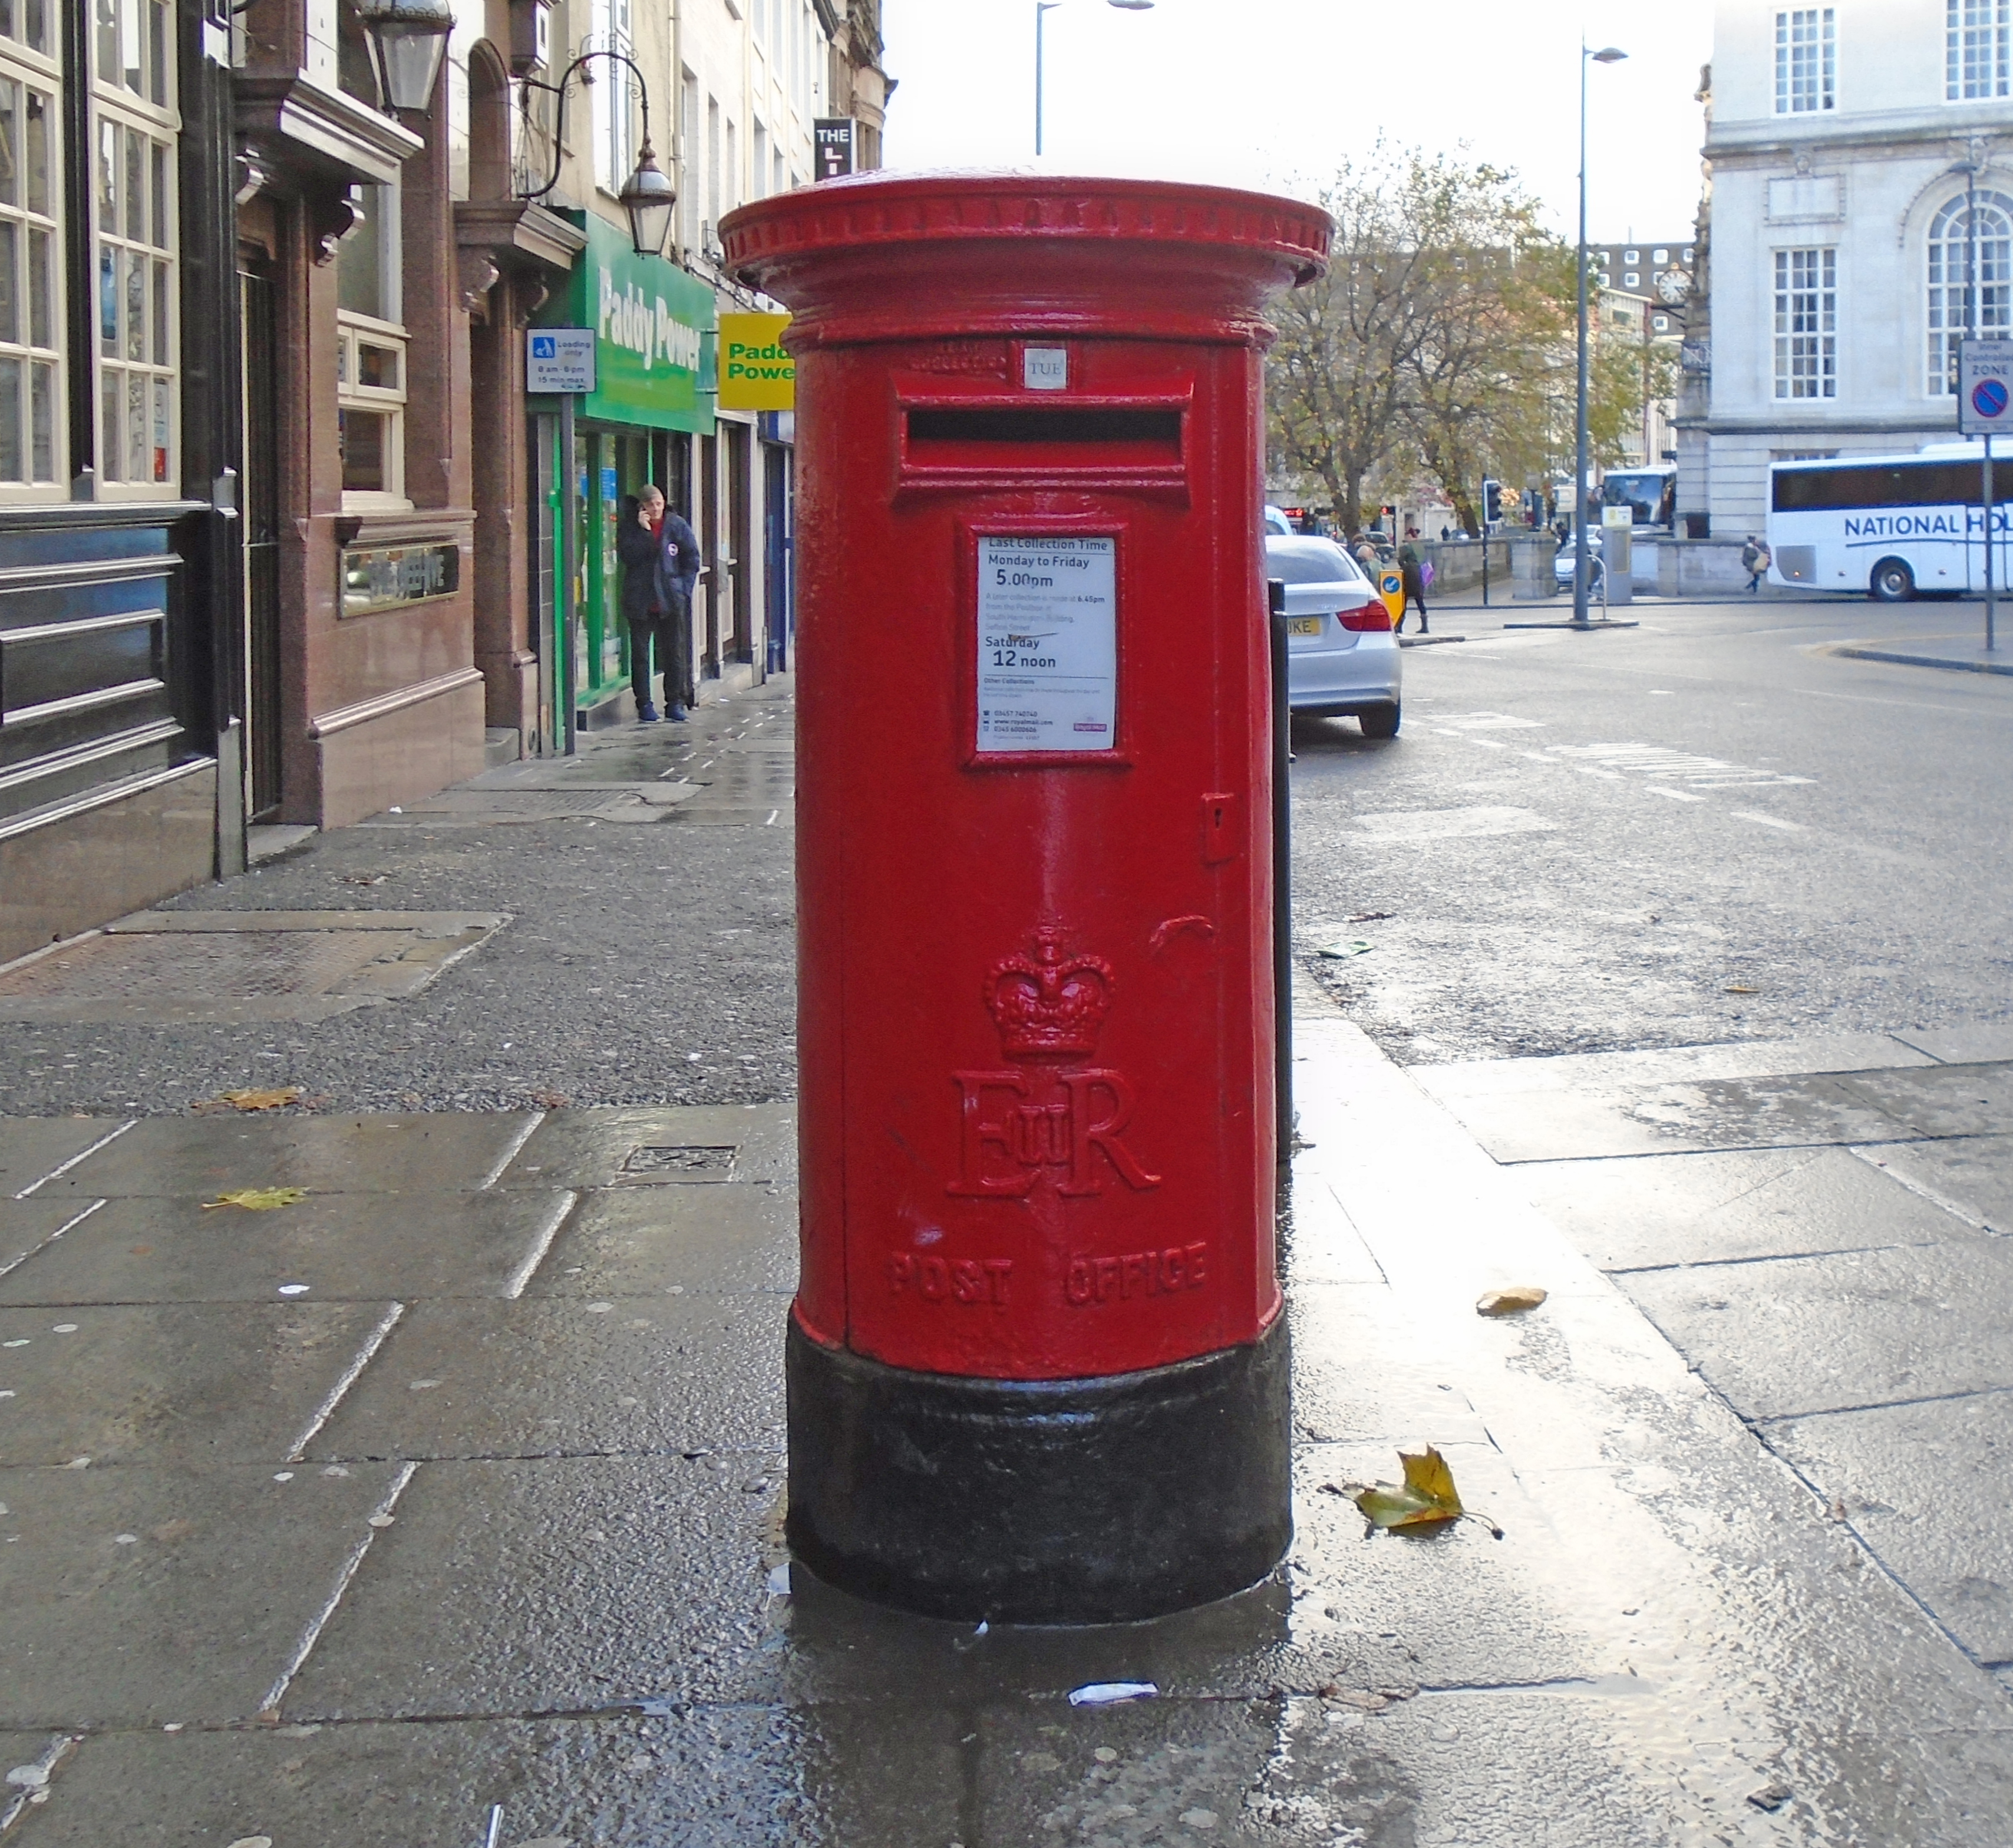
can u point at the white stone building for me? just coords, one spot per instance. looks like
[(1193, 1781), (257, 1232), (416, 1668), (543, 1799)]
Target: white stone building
[(1839, 249)]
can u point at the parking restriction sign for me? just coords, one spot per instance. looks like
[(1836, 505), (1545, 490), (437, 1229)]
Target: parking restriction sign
[(1985, 386)]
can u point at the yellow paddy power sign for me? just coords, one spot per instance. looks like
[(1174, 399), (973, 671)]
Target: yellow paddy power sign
[(756, 374)]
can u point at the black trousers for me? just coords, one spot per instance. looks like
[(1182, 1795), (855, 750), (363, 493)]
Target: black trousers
[(665, 632)]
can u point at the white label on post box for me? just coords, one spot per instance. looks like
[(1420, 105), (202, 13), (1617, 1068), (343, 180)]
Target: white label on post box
[(1048, 644), (1045, 369)]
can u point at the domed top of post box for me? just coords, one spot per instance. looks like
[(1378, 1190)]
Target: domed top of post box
[(920, 255)]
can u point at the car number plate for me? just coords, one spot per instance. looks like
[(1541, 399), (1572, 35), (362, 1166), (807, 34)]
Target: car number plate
[(1303, 625)]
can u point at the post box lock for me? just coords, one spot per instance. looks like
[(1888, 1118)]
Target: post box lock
[(1222, 829)]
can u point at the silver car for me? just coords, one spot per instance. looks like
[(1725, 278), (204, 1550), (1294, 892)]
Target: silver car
[(1341, 657)]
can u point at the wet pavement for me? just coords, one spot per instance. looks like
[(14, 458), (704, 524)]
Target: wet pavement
[(457, 1483), (627, 920)]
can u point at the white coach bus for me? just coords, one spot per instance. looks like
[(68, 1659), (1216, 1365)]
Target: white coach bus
[(1892, 527)]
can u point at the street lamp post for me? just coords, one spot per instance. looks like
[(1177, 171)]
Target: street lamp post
[(1607, 55), (1042, 9)]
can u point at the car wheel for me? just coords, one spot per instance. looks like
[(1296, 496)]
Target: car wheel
[(1380, 722), (1892, 582)]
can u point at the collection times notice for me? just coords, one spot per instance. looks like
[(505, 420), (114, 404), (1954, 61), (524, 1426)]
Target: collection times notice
[(1048, 644)]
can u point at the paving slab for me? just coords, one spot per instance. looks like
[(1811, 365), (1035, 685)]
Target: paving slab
[(150, 1595), (1963, 1045), (712, 1778), (1769, 1112), (26, 1225), (1945, 1100), (1926, 1486), (371, 1247), (1641, 1212), (557, 1585), (658, 1145), (1783, 1336), (1320, 1245), (173, 1382), (1505, 1769), (1612, 1074), (1973, 1174), (655, 1241), (201, 1157), (1361, 1372), (557, 1376), (31, 1147)]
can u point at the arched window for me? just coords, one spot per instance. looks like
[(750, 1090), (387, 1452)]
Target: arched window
[(1950, 258)]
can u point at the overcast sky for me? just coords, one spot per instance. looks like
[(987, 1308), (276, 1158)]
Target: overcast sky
[(1274, 93)]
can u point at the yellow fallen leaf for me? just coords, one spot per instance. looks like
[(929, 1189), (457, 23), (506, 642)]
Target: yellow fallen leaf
[(1737, 990), (1427, 1495), (1426, 1498), (1514, 1301), (259, 1199)]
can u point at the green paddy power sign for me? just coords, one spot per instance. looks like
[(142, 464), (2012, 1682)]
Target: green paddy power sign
[(653, 324)]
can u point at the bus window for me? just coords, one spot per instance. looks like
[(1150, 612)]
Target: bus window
[(1882, 484)]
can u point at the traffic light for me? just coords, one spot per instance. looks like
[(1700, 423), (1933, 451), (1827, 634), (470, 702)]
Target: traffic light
[(1491, 503)]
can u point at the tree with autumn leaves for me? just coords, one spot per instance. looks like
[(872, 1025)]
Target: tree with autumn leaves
[(1440, 342)]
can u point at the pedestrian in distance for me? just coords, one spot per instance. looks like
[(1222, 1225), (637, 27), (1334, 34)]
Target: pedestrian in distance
[(1754, 560), (1412, 573), (659, 553)]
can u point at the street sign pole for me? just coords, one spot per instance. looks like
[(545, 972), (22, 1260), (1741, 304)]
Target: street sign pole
[(1991, 611), (1984, 407)]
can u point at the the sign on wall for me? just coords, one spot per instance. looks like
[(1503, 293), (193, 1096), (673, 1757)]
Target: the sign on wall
[(651, 322), (755, 373), (560, 359), (832, 139), (389, 576)]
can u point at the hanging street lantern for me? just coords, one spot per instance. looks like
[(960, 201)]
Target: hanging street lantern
[(650, 199), (408, 39)]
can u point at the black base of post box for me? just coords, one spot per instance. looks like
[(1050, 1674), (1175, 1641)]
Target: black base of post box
[(1081, 1501)]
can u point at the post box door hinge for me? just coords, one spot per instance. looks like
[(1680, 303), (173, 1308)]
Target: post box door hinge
[(1222, 829)]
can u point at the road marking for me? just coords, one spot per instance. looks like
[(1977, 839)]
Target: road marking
[(1447, 824), (81, 1155), (1766, 821), (1486, 721), (1488, 744), (1675, 795), (1587, 771), (1663, 760)]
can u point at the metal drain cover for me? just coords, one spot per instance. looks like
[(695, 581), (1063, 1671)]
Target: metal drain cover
[(683, 1161)]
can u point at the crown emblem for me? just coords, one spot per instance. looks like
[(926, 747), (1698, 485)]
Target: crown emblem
[(1052, 1004)]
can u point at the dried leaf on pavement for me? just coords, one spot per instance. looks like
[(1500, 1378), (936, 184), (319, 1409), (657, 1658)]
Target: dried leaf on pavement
[(1513, 1301), (1426, 1498), (259, 1199), (276, 1099)]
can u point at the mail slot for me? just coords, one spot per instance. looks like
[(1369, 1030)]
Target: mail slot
[(1037, 1368)]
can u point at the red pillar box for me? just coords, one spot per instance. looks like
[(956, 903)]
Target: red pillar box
[(1037, 1368)]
